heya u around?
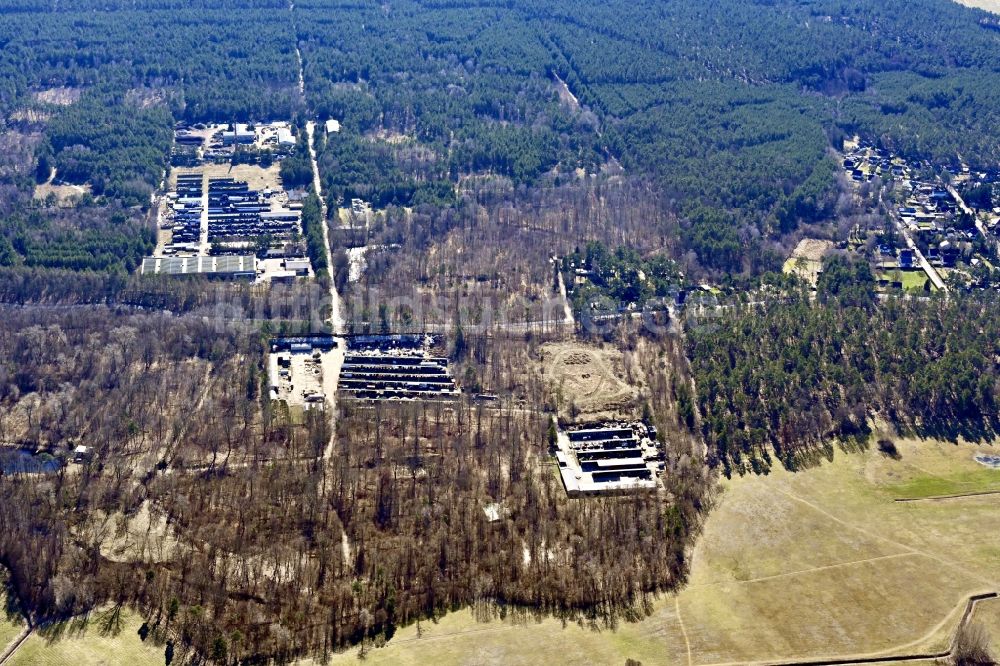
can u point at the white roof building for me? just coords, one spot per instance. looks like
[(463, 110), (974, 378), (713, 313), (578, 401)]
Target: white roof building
[(285, 137), (233, 267), (300, 266), (332, 126)]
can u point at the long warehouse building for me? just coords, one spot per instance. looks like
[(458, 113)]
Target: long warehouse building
[(230, 268)]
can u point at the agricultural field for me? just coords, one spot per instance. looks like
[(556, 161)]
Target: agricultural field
[(818, 563)]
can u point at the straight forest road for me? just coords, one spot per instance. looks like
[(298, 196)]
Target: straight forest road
[(331, 370), (336, 318)]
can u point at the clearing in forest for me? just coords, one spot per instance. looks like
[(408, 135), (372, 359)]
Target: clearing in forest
[(807, 259), (988, 5), (586, 381), (59, 96), (65, 195)]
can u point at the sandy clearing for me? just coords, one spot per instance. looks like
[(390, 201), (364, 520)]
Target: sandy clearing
[(586, 379), (988, 5)]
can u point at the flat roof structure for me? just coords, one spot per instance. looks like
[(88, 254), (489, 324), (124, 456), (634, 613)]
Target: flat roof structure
[(609, 458), (312, 341), (284, 276), (394, 367), (577, 484), (297, 265), (233, 267)]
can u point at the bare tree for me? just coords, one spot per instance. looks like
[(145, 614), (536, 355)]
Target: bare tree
[(972, 646)]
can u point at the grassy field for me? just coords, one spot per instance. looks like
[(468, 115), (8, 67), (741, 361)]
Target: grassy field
[(89, 643), (11, 624), (807, 259), (988, 615), (10, 628), (973, 481), (807, 269), (913, 280), (819, 563)]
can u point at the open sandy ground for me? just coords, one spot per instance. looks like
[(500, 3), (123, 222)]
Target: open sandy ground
[(988, 5), (256, 176), (587, 380)]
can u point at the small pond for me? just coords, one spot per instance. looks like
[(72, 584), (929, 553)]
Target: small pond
[(993, 462), (22, 461)]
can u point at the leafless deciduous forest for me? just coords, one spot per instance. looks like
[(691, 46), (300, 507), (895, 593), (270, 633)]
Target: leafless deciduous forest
[(202, 506), (489, 260)]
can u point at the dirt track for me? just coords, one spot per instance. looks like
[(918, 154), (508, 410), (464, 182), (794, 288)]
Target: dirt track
[(938, 498)]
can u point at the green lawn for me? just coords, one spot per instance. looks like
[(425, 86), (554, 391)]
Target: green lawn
[(913, 280), (951, 484)]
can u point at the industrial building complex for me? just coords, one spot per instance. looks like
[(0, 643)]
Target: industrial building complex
[(395, 367), (227, 199), (609, 457)]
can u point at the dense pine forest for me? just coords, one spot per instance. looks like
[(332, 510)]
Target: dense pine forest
[(730, 108), (788, 378)]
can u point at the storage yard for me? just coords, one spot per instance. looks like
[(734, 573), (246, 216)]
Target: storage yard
[(219, 205), (395, 367), (308, 371), (609, 457), (302, 371)]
